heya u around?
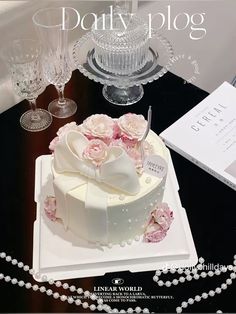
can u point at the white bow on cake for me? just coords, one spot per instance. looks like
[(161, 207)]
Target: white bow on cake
[(118, 172)]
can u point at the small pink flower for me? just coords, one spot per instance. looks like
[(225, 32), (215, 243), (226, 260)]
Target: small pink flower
[(53, 143), (96, 151), (99, 126), (163, 216), (66, 128), (154, 233), (50, 207), (132, 127), (62, 132)]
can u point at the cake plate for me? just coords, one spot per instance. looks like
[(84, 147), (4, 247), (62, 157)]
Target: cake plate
[(124, 90), (59, 254)]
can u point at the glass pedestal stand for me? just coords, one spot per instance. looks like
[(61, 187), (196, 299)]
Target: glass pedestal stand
[(124, 90)]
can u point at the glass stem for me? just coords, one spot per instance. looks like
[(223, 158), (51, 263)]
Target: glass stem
[(35, 115), (60, 90)]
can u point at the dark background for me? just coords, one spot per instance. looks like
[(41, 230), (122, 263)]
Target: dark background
[(210, 205)]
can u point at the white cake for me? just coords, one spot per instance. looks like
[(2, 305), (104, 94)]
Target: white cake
[(107, 202)]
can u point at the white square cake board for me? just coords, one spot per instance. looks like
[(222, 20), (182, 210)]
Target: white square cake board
[(59, 254)]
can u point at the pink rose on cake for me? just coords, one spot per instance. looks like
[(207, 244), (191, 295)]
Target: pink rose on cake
[(99, 126), (96, 152), (50, 207), (132, 128), (61, 133), (159, 223)]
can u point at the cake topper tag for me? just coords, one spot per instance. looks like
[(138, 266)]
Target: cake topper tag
[(155, 165)]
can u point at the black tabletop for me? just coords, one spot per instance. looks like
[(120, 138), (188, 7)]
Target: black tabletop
[(210, 205)]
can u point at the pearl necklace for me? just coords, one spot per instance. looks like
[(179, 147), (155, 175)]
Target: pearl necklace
[(193, 274), (190, 274)]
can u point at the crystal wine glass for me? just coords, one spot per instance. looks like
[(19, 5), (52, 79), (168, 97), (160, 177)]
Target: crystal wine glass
[(51, 26), (23, 57)]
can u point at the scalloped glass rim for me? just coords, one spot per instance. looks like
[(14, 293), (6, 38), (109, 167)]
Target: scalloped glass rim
[(160, 55)]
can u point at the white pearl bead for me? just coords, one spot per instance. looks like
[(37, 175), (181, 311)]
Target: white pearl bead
[(129, 242), (63, 298), (160, 283), (229, 281), (203, 274), (178, 309), (79, 290), (201, 260), (146, 311), (100, 301), (8, 258), (196, 276), (7, 278), (194, 270), (165, 271), (21, 283), (92, 307), (56, 295), (49, 292), (78, 302), (210, 273), (122, 244), (51, 282), (93, 297), (138, 309), (32, 272), (218, 290), (219, 312), (130, 310), (14, 261), (42, 289), (158, 273), (234, 269), (100, 308), (187, 272), (233, 276), (190, 301), (122, 311), (224, 269), (211, 293), (26, 268), (175, 282), (235, 262), (197, 298), (85, 305), (37, 275), (28, 285), (86, 293), (204, 295), (223, 286), (168, 284), (181, 279), (44, 278), (230, 267), (35, 287), (70, 300), (155, 278), (58, 284), (217, 272), (72, 288), (14, 281), (184, 304), (235, 256), (3, 255), (65, 286), (172, 270), (189, 278), (20, 265), (1, 276), (180, 271), (199, 267)]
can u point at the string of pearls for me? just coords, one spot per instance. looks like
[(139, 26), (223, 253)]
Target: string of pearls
[(192, 274), (87, 294)]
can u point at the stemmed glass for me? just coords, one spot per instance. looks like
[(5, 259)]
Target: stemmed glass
[(56, 62), (23, 57)]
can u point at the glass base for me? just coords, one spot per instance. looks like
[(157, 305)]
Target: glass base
[(64, 111), (123, 96), (35, 121)]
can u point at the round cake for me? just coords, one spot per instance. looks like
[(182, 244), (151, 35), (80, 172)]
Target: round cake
[(102, 192), (121, 45)]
